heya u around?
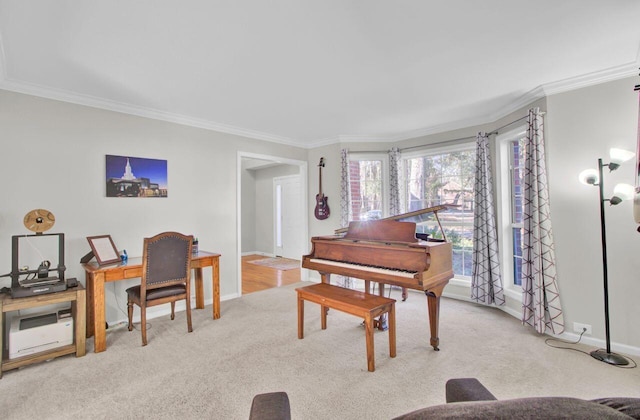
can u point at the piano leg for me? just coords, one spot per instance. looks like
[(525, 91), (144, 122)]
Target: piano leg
[(433, 302), (381, 322), (404, 294), (325, 277)]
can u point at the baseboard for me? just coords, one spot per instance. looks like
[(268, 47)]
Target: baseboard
[(456, 293), (165, 310)]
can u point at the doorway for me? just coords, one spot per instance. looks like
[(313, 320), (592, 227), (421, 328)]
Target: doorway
[(257, 177)]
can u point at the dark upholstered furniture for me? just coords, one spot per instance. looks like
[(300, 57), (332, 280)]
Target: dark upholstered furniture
[(467, 398), (166, 276), (271, 406)]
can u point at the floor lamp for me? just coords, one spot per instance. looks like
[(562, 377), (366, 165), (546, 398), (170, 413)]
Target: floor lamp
[(621, 192)]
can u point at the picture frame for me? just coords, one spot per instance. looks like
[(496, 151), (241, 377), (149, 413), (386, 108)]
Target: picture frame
[(136, 177), (103, 249)]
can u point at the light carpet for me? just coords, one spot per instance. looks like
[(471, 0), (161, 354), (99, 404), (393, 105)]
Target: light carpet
[(215, 371)]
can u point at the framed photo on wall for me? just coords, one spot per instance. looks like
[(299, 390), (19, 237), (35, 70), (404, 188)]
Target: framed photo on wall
[(128, 176)]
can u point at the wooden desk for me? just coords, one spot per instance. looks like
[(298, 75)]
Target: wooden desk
[(75, 295), (96, 276)]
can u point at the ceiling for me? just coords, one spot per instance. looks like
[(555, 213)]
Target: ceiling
[(310, 73)]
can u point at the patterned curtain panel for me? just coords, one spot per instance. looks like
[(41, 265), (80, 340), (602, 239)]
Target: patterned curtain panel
[(394, 181), (540, 298), (486, 283), (344, 189), (344, 208)]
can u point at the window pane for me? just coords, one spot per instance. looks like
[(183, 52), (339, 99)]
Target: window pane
[(445, 178), (516, 157), (517, 181), (517, 256), (366, 189)]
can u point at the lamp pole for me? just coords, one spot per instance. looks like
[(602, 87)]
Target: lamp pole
[(605, 356)]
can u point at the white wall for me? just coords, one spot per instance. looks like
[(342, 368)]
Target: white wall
[(52, 156), (581, 127), (248, 218), (264, 216)]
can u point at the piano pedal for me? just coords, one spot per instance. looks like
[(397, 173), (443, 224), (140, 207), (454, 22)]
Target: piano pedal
[(381, 323)]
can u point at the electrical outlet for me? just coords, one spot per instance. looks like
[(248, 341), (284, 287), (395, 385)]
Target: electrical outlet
[(578, 328)]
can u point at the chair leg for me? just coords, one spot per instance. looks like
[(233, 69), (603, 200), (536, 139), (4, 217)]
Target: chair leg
[(188, 304), (173, 310), (130, 313), (143, 324)]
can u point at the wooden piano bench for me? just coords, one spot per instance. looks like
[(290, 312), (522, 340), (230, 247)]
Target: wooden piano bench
[(354, 302)]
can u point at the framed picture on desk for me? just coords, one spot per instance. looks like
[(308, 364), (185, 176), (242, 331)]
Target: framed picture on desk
[(103, 249)]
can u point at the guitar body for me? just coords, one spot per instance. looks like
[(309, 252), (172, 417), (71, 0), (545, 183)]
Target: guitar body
[(322, 208)]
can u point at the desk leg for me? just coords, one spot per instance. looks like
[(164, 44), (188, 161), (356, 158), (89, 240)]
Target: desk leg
[(215, 278), (199, 288), (100, 334), (89, 304), (79, 307)]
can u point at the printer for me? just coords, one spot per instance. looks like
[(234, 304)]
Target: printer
[(40, 332)]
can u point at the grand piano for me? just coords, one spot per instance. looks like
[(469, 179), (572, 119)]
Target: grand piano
[(388, 251)]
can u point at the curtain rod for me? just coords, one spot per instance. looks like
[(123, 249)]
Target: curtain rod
[(497, 130), (440, 143)]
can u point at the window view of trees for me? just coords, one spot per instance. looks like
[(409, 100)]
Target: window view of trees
[(445, 178), (427, 181), (365, 183)]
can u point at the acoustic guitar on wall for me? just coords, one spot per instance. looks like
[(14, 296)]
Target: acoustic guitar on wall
[(322, 208)]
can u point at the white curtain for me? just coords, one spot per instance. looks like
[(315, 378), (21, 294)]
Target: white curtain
[(540, 299), (486, 283)]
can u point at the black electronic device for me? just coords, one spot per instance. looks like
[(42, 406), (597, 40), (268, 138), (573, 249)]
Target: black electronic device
[(19, 291), (43, 269), (26, 282), (72, 282)]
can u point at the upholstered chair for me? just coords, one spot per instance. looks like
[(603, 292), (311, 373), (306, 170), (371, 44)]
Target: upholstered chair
[(166, 277)]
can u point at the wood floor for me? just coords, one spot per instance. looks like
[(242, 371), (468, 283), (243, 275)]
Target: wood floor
[(256, 277)]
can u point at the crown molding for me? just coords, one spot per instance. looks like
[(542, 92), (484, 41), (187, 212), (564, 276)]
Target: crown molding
[(95, 102), (590, 79), (595, 78), (607, 75)]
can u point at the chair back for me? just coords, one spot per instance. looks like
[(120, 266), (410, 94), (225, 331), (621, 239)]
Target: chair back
[(166, 260)]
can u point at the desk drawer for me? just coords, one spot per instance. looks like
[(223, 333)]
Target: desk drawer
[(123, 273)]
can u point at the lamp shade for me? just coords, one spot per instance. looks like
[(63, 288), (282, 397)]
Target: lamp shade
[(589, 177), (624, 191), (620, 155)]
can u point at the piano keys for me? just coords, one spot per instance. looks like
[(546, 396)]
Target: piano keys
[(386, 251)]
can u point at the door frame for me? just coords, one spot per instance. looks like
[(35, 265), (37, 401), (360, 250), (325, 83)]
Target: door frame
[(303, 172)]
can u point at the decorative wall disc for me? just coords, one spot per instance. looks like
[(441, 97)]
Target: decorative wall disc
[(39, 220)]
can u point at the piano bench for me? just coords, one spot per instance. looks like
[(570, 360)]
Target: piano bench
[(354, 302)]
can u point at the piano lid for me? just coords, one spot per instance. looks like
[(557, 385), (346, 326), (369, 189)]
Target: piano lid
[(382, 230), (416, 216)]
